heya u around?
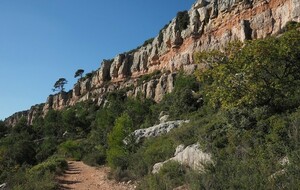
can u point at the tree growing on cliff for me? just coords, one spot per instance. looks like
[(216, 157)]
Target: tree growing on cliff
[(78, 73), (59, 85), (182, 21)]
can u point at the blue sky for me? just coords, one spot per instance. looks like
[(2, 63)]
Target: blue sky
[(43, 40)]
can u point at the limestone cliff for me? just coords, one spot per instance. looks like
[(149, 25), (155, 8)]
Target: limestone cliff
[(27, 114), (209, 24)]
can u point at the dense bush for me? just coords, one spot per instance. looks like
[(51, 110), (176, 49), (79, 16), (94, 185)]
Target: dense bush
[(148, 77), (53, 164), (183, 99), (23, 180), (171, 175), (151, 152), (3, 129), (71, 149), (96, 157), (41, 176), (263, 72), (117, 152), (182, 21)]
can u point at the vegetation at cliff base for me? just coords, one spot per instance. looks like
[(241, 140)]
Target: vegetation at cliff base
[(243, 109)]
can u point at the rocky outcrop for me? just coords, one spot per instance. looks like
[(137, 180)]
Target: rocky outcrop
[(210, 25), (284, 162), (191, 156), (156, 130), (30, 114), (155, 88)]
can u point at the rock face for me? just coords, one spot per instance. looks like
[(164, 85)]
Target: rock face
[(191, 156), (28, 114), (157, 130), (212, 24)]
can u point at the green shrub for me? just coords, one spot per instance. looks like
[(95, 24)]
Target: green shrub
[(151, 152), (53, 124), (263, 72), (46, 149), (182, 21), (94, 158), (139, 110), (148, 77), (171, 175), (71, 149), (18, 148), (39, 177), (23, 180), (117, 153), (291, 25), (149, 41), (3, 129), (120, 175), (183, 100), (53, 164)]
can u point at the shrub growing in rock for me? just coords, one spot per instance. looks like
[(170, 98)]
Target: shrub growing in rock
[(182, 21)]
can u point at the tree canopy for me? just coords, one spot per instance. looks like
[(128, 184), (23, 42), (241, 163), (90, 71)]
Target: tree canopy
[(262, 72), (78, 73), (59, 84)]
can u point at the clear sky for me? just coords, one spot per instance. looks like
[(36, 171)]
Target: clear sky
[(43, 40)]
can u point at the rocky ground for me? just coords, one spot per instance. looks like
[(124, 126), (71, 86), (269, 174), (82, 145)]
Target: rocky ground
[(83, 177)]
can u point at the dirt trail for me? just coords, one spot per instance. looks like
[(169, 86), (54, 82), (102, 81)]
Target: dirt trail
[(80, 176)]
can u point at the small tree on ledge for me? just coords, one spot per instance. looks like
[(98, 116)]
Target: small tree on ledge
[(59, 85), (78, 73)]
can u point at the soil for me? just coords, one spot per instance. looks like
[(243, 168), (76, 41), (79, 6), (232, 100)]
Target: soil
[(80, 176)]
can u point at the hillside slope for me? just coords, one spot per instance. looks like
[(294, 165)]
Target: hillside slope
[(232, 124)]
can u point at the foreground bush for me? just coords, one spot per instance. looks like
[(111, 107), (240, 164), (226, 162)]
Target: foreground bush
[(53, 165), (170, 176), (71, 149), (39, 177)]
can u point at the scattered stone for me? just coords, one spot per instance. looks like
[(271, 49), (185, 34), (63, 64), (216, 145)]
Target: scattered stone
[(3, 185), (284, 161), (164, 119)]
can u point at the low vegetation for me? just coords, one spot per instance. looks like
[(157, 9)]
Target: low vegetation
[(148, 77)]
